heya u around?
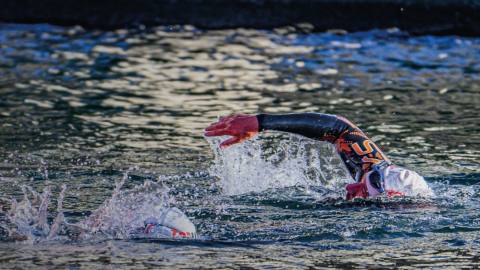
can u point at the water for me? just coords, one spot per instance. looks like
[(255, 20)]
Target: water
[(118, 117)]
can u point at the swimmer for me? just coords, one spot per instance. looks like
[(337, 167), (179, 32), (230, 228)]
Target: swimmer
[(171, 223), (373, 172)]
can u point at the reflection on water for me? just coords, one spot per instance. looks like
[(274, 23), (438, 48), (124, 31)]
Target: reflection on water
[(80, 107)]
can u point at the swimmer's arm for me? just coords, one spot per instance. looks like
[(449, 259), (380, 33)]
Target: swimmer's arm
[(324, 127), (240, 127)]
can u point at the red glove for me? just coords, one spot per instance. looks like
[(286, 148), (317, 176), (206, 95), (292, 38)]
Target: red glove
[(241, 127)]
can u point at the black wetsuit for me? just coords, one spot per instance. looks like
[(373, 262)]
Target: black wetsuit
[(357, 151)]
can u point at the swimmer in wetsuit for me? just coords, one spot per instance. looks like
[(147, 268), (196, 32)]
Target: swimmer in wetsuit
[(368, 165)]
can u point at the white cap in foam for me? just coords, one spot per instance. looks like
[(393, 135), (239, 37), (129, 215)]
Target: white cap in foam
[(176, 219), (172, 222)]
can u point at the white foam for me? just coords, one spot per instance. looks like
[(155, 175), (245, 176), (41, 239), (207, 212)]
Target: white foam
[(277, 161)]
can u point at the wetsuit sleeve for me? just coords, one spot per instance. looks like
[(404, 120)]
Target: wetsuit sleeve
[(324, 127), (357, 151)]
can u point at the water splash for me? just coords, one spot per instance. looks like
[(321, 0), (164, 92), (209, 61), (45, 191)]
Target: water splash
[(125, 212), (29, 216), (122, 216), (278, 161), (60, 218)]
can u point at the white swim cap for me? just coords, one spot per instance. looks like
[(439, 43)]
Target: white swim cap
[(176, 219), (396, 181), (172, 223), (408, 182)]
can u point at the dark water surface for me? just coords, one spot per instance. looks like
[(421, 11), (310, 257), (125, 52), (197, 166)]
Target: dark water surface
[(85, 108)]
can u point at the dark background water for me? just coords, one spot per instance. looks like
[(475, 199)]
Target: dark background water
[(80, 107)]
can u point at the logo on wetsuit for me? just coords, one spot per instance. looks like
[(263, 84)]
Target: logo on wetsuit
[(367, 152)]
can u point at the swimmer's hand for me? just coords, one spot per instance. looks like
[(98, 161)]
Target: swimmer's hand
[(241, 127)]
